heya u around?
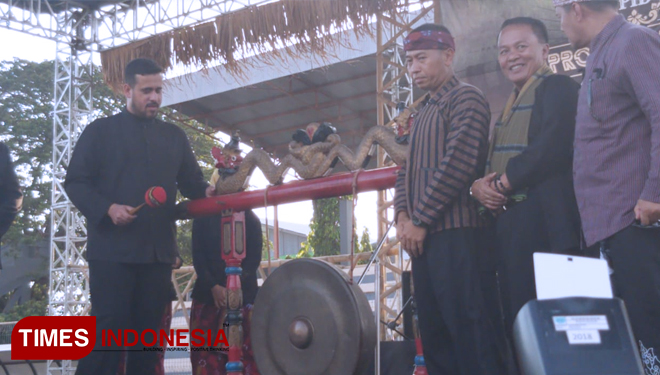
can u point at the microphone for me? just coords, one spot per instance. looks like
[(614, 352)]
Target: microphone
[(154, 197)]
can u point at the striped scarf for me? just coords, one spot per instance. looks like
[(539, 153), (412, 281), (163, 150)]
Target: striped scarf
[(512, 128)]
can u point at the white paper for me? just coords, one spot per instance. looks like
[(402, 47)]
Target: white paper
[(561, 276), (583, 337)]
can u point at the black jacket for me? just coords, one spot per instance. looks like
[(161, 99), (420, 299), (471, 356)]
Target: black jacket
[(546, 165), (116, 160), (210, 266), (10, 192)]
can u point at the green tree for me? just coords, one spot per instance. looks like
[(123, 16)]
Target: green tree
[(306, 251), (266, 245), (324, 235), (26, 126), (324, 232), (364, 245), (365, 242), (37, 305)]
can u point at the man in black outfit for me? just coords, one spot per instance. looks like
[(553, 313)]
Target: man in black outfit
[(528, 185), (10, 193), (116, 160)]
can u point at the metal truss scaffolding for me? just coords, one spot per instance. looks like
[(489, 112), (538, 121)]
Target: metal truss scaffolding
[(117, 22), (394, 86), (72, 107)]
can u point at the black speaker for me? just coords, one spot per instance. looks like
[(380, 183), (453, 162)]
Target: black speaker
[(396, 358), (576, 336)]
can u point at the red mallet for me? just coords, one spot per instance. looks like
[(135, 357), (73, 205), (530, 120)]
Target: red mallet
[(154, 197)]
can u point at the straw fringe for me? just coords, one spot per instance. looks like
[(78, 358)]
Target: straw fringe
[(157, 47), (306, 24)]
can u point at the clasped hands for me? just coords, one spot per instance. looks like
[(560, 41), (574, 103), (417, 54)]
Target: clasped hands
[(491, 191)]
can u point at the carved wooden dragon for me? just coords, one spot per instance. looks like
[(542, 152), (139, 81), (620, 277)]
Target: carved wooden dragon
[(307, 159)]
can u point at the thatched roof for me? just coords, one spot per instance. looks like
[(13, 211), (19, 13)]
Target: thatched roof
[(305, 24)]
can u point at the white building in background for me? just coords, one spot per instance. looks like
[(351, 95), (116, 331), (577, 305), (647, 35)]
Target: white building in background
[(291, 236)]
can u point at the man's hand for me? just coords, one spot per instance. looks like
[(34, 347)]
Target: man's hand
[(210, 191), (646, 212), (401, 219), (412, 238), (178, 262), (219, 296), (120, 214), (484, 192)]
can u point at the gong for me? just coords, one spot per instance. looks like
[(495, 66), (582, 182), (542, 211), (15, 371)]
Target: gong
[(308, 319)]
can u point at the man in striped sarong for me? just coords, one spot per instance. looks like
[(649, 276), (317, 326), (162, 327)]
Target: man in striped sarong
[(437, 221)]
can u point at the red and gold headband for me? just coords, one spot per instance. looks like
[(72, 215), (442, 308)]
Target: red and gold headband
[(428, 39)]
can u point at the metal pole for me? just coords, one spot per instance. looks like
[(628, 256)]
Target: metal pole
[(376, 253), (377, 313), (276, 234)]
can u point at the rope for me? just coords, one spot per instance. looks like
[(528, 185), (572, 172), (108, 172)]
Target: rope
[(354, 232), (267, 230)]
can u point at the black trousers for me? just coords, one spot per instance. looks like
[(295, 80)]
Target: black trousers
[(457, 333), (521, 232), (634, 255), (126, 296), (519, 235)]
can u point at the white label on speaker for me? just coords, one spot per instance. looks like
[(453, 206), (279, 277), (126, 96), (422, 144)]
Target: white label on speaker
[(583, 337), (581, 323)]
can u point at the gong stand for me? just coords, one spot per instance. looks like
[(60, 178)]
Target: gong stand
[(392, 324), (314, 340), (420, 364), (232, 227)]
